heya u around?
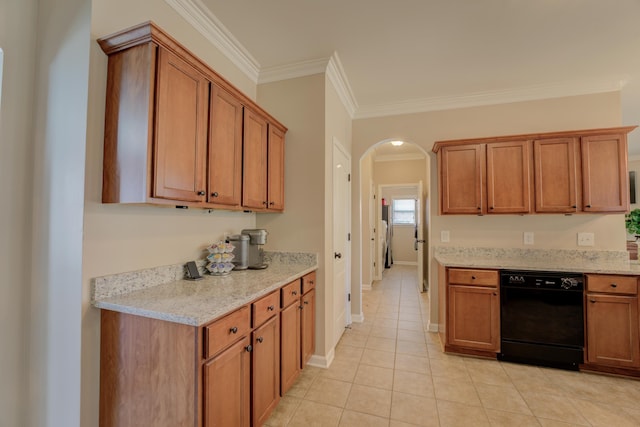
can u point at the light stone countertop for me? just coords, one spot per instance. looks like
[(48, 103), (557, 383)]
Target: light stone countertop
[(564, 260), (197, 303)]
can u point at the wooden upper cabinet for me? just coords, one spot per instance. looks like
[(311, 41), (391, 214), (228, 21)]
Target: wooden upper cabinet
[(275, 169), (174, 130), (181, 130), (556, 175), (567, 172), (462, 179), (225, 148), (254, 188), (604, 173), (509, 180)]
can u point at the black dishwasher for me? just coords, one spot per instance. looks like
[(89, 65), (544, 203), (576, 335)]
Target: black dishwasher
[(542, 318)]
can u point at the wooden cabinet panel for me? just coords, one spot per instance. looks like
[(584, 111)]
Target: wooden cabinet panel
[(275, 179), (556, 175), (289, 346), (290, 293), (226, 387), (473, 317), (604, 168), (265, 364), (226, 330), (308, 282), (131, 366), (612, 330), (181, 130), (308, 326), (462, 179), (254, 189), (509, 179), (466, 276), (612, 284), (264, 308), (225, 148)]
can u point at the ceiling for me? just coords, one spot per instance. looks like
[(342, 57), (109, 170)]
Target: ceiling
[(432, 54)]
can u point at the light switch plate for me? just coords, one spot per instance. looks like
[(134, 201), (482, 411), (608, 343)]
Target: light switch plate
[(586, 239), (528, 237), (444, 236)]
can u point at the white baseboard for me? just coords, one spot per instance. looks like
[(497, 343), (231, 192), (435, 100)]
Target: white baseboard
[(357, 317), (433, 327), (405, 263), (322, 361), (366, 286)]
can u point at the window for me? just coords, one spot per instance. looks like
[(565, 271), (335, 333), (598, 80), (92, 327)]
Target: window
[(404, 211)]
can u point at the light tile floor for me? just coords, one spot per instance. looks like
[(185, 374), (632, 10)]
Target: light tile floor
[(388, 371)]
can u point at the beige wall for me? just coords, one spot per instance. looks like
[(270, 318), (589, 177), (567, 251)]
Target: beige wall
[(299, 104), (18, 23), (368, 216), (553, 231)]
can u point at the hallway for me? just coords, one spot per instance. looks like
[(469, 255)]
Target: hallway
[(389, 372)]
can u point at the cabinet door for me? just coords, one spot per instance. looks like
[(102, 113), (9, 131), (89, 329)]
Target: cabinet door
[(254, 183), (612, 330), (226, 389), (509, 181), (225, 149), (473, 317), (462, 179), (276, 169), (308, 326), (604, 173), (265, 365), (555, 175), (181, 130), (289, 346)]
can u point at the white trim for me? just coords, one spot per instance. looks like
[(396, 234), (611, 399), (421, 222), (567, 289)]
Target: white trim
[(207, 24), (340, 82), (399, 157), (413, 263), (366, 286), (634, 158), (433, 327), (357, 318), (529, 93), (291, 71), (322, 361)]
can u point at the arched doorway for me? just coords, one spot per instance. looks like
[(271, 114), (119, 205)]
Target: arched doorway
[(384, 164)]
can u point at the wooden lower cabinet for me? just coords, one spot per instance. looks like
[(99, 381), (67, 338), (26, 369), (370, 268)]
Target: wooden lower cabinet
[(308, 326), (472, 309), (265, 375), (289, 346), (612, 330), (227, 385)]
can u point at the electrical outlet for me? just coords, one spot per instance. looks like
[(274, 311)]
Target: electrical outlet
[(528, 237), (586, 239), (444, 236)]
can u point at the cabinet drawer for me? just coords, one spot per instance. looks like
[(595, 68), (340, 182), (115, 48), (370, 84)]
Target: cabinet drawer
[(219, 334), (308, 282), (264, 308), (290, 293), (612, 284), (462, 276)]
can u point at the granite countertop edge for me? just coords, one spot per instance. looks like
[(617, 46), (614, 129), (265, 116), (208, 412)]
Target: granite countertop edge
[(197, 303), (593, 266)]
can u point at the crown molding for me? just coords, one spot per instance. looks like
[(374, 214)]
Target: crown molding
[(207, 24), (340, 82), (530, 93), (398, 157), (291, 71)]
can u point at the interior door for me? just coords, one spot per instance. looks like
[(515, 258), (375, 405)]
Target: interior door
[(341, 240)]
